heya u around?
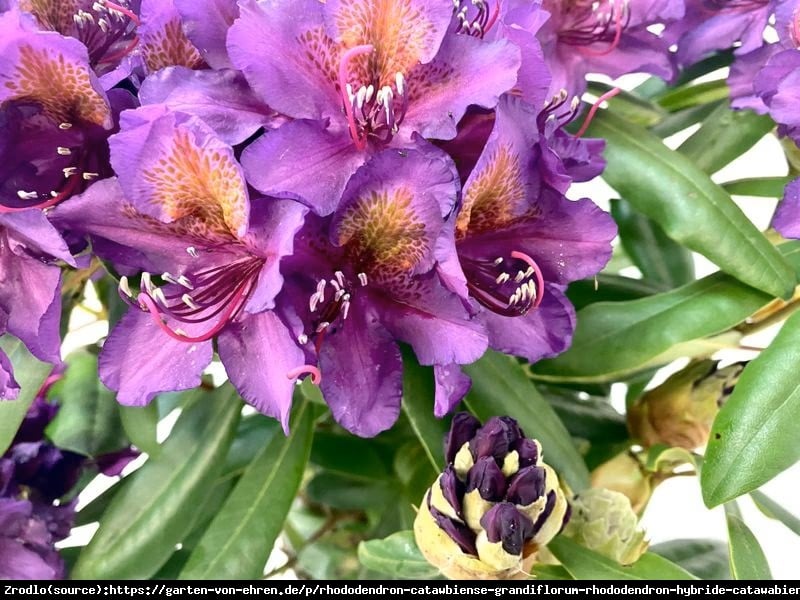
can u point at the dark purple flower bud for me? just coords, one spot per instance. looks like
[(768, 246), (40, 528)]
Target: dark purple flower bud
[(458, 532), (36, 420), (452, 488), (528, 452), (495, 438), (548, 509), (486, 477), (462, 430), (526, 486), (504, 523)]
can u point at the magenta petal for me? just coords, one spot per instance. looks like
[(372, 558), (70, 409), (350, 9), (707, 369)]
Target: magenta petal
[(206, 24), (139, 360), (258, 352), (328, 159), (9, 388), (451, 386), (787, 217)]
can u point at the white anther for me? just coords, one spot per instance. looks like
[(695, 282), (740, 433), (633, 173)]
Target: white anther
[(125, 287), (53, 193), (189, 301), (502, 278), (65, 126), (531, 289), (184, 281), (27, 195), (339, 295), (69, 171), (523, 292), (400, 83), (192, 251), (181, 332), (498, 260), (370, 93), (339, 277), (158, 294), (350, 96), (529, 272), (103, 25), (322, 326), (575, 102), (520, 276), (302, 338), (88, 175), (313, 302), (362, 278), (321, 289), (361, 96), (169, 278), (147, 283), (345, 309)]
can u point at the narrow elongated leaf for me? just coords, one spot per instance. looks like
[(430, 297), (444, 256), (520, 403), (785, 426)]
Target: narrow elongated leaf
[(418, 396), (30, 375), (685, 118), (592, 419), (668, 188), (157, 507), (707, 559), (347, 493), (633, 335), (747, 559), (140, 424), (724, 136), (501, 387), (88, 419), (349, 456), (763, 187), (396, 556), (754, 436), (609, 288), (694, 94), (582, 563), (773, 510), (660, 259), (635, 108), (237, 543)]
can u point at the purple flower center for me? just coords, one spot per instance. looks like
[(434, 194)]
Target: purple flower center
[(586, 22), (509, 286), (475, 17), (329, 305), (105, 29), (213, 296), (373, 112)]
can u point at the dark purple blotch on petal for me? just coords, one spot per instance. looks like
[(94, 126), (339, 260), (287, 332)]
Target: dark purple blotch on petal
[(462, 430), (526, 486), (486, 477), (504, 523), (458, 532)]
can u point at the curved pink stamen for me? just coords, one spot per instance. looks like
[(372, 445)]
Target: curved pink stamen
[(537, 271), (592, 111), (122, 53), (121, 9), (47, 203), (493, 19), (155, 313), (344, 63), (316, 375), (618, 13)]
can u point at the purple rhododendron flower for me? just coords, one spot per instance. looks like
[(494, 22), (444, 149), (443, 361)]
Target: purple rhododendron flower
[(357, 77), (611, 37)]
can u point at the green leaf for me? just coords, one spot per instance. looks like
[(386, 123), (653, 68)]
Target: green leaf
[(773, 510), (88, 420), (240, 538), (348, 493), (707, 559), (140, 424), (501, 387), (253, 433), (724, 136), (396, 556), (418, 396), (765, 187), (634, 108), (609, 288), (592, 418), (352, 457), (754, 436), (660, 259), (694, 94), (582, 563), (94, 511), (551, 573), (157, 506), (747, 559), (668, 188), (30, 375), (685, 118)]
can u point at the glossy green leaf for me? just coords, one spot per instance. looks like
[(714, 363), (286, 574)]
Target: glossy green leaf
[(591, 418), (93, 512), (253, 433), (631, 106), (348, 493), (747, 560), (764, 187), (156, 508), (396, 556), (418, 396), (685, 118), (706, 559), (754, 436), (88, 420), (240, 538), (349, 456), (773, 510), (660, 259), (583, 563), (724, 136), (140, 424), (30, 375), (668, 188), (609, 288), (694, 94), (551, 573), (501, 387)]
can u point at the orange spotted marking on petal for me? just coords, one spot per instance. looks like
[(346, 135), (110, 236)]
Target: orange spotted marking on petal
[(382, 232), (397, 29), (202, 183), (319, 52), (55, 15), (494, 196), (169, 47), (62, 86)]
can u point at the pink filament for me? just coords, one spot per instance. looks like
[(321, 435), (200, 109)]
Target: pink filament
[(121, 9), (493, 18), (47, 203), (539, 279), (316, 375), (618, 13), (122, 53), (592, 111), (343, 77)]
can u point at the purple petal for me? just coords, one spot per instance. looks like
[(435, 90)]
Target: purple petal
[(495, 439), (458, 532), (528, 452), (787, 216), (329, 158), (462, 429), (486, 477), (222, 99), (9, 388), (162, 41), (451, 386), (778, 84), (527, 485), (452, 488), (112, 465), (258, 352), (362, 379), (30, 232), (440, 91), (139, 360), (206, 24), (504, 523)]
